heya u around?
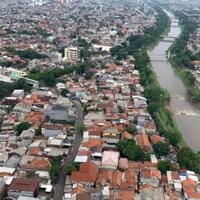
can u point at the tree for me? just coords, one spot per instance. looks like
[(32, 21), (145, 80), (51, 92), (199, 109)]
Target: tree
[(21, 127), (131, 128), (105, 98), (22, 84), (49, 78), (30, 54), (80, 127), (64, 92), (173, 137), (55, 167), (188, 159), (130, 150), (73, 166), (6, 89), (154, 93), (38, 131), (161, 148), (88, 75), (153, 108), (165, 165)]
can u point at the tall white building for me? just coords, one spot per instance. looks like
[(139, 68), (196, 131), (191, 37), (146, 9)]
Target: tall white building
[(72, 54)]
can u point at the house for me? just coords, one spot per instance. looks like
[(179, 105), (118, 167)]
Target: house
[(150, 127), (35, 118), (143, 141), (52, 130), (6, 171), (87, 174), (174, 181), (111, 136), (150, 176), (191, 189), (23, 186), (55, 142), (110, 159), (123, 163), (150, 192), (34, 163), (139, 101), (18, 93), (156, 138), (95, 147), (82, 155), (58, 112)]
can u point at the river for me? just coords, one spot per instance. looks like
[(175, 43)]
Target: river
[(187, 116)]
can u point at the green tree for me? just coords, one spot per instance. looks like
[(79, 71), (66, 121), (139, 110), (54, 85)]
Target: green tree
[(131, 128), (153, 108), (130, 150), (6, 89), (161, 148), (188, 159), (73, 166), (64, 92), (80, 127), (88, 75), (154, 93), (55, 167), (49, 78), (38, 131), (30, 54), (173, 137), (22, 84), (165, 165), (21, 127)]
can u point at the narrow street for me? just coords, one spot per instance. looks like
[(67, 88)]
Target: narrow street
[(59, 187)]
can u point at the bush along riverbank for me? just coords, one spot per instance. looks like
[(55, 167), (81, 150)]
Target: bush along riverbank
[(181, 58), (157, 97)]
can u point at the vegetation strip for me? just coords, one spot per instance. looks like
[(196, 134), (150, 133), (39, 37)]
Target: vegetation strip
[(181, 58), (157, 97)]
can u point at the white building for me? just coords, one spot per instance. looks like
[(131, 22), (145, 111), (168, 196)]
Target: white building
[(72, 54)]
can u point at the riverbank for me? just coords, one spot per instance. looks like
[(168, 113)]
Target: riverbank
[(181, 59), (164, 117), (189, 82), (157, 40)]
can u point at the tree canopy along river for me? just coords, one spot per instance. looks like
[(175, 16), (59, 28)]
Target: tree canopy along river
[(186, 114)]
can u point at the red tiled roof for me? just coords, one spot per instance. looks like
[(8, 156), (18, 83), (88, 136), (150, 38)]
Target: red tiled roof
[(126, 194), (194, 196), (38, 164), (34, 151), (87, 173), (196, 62), (104, 176), (35, 118), (143, 140), (175, 175), (53, 126), (92, 143), (156, 138), (116, 180), (22, 184)]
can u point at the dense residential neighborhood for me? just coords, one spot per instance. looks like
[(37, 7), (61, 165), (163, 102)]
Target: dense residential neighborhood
[(81, 113)]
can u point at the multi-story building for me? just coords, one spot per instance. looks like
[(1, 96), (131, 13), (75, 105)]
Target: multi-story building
[(72, 54)]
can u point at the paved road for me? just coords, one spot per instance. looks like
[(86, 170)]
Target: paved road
[(59, 187)]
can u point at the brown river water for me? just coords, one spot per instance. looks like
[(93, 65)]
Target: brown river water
[(186, 114)]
